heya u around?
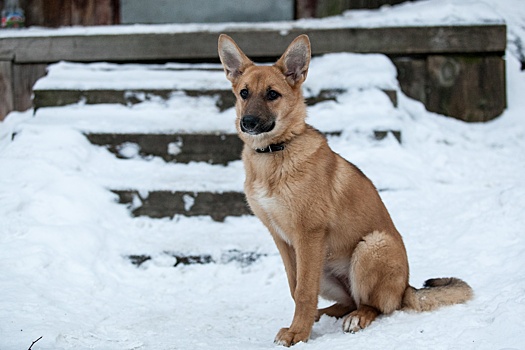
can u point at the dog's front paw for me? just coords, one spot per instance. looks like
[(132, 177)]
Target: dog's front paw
[(288, 338)]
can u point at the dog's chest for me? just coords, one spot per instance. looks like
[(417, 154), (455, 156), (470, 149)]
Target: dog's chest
[(271, 210)]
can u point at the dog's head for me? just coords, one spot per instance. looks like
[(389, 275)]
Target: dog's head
[(270, 106)]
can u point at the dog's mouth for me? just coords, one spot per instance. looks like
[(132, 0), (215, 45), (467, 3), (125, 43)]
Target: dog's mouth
[(254, 125)]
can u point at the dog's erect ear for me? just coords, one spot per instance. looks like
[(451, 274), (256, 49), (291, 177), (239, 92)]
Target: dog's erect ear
[(295, 60), (233, 59)]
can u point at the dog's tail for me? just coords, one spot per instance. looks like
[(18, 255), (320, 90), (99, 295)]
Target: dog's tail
[(435, 293)]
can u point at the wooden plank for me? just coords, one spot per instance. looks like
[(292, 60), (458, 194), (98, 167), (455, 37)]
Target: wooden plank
[(57, 13), (305, 8), (371, 4), (25, 76), (326, 8), (106, 12), (469, 88), (224, 98), (6, 89), (6, 53), (83, 12), (159, 204), (323, 8), (212, 148), (180, 148), (47, 13), (412, 76), (52, 98), (92, 12), (33, 11), (257, 43)]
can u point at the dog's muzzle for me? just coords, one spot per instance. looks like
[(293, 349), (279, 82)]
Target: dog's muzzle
[(254, 125)]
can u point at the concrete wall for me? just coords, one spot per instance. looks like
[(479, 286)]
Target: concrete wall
[(205, 11)]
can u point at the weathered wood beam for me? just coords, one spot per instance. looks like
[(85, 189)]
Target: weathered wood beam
[(258, 43), (6, 88), (477, 94)]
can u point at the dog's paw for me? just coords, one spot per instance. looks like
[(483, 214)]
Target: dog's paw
[(351, 324), (359, 319), (287, 338)]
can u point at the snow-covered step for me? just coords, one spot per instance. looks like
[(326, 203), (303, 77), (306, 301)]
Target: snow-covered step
[(160, 204), (224, 99), (184, 129), (158, 189), (68, 83), (172, 126), (57, 97), (213, 148)]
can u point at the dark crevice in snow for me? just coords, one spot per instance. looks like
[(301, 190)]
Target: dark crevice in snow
[(244, 259)]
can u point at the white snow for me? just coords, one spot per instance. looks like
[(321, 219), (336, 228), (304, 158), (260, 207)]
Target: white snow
[(456, 192), (334, 71), (68, 75), (364, 76)]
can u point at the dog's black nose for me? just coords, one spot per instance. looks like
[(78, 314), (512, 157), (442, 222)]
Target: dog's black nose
[(249, 123)]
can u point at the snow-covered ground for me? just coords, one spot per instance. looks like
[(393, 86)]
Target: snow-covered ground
[(456, 192)]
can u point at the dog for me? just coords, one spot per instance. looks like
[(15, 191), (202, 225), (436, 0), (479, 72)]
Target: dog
[(333, 232)]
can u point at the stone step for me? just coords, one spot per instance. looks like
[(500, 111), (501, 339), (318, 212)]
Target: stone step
[(219, 148)]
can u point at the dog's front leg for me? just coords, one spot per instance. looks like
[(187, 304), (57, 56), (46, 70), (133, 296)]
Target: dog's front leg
[(290, 266), (309, 253)]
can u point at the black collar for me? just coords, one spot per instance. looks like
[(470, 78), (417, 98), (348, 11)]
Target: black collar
[(276, 147)]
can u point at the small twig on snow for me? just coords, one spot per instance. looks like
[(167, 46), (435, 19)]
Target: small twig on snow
[(33, 343)]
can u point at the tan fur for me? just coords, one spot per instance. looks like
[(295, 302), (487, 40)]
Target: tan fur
[(333, 232)]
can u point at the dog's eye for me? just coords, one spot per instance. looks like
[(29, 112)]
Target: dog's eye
[(244, 94), (272, 95)]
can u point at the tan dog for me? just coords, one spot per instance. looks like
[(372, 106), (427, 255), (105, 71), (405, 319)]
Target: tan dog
[(333, 232)]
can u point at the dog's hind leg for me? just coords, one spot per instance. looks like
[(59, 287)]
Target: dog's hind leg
[(336, 289), (378, 278), (360, 318), (335, 310)]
